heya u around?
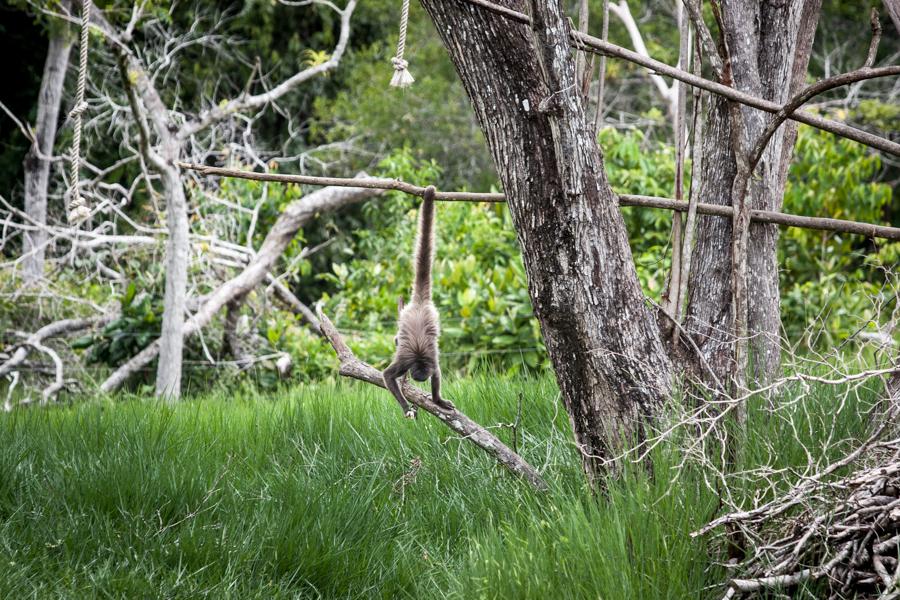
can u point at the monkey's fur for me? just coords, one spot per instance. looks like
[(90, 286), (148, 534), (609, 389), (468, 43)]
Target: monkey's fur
[(419, 326)]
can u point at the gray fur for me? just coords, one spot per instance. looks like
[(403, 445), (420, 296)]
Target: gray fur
[(419, 326)]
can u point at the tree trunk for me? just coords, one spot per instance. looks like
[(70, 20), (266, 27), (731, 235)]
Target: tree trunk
[(610, 364), (168, 370), (769, 45), (37, 167)]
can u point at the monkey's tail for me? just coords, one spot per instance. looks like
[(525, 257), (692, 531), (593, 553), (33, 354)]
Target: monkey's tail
[(424, 248)]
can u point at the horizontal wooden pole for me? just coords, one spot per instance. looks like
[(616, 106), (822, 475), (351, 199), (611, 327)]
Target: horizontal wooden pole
[(716, 210)]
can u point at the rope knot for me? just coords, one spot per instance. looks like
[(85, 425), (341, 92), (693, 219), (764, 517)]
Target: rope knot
[(402, 77), (399, 63), (78, 109), (78, 210)]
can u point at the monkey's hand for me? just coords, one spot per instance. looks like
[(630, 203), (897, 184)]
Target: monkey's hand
[(443, 402), (411, 414)]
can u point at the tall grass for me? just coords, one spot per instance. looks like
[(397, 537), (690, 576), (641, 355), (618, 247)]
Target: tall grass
[(315, 493)]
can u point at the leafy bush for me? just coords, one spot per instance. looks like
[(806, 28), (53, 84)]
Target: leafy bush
[(829, 280)]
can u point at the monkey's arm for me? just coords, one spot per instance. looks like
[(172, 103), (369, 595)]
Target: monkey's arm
[(391, 374), (436, 390)]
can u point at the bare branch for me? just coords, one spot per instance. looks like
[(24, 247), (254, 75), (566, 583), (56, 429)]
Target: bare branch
[(217, 113), (667, 92)]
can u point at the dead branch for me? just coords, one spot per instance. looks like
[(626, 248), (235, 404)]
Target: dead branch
[(295, 216), (55, 329), (353, 367), (842, 532), (716, 210)]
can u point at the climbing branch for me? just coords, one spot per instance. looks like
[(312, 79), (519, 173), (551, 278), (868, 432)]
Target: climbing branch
[(353, 367)]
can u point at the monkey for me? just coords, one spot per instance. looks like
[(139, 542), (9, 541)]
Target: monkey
[(418, 325)]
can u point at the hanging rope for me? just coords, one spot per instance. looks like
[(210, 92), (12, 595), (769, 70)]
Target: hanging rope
[(402, 77), (78, 209)]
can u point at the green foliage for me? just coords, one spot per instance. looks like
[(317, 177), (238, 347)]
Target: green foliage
[(830, 279), (312, 494), (139, 324)]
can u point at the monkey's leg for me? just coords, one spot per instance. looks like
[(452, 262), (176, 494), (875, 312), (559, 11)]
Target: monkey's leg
[(391, 374), (436, 391)]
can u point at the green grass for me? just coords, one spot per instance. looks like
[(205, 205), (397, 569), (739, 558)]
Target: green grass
[(303, 495)]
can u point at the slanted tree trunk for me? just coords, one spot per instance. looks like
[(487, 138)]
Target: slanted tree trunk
[(769, 45), (610, 364), (37, 167)]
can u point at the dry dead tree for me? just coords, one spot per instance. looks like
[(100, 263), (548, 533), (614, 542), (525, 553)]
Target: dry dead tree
[(295, 216), (353, 367)]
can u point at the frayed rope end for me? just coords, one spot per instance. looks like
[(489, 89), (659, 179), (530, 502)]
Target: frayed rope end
[(78, 212), (402, 77)]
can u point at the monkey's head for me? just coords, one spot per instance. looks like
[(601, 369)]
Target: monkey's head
[(421, 370)]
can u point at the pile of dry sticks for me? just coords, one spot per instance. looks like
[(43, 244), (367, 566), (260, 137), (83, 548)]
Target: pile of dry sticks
[(841, 537)]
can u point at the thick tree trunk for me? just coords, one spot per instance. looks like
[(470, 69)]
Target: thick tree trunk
[(37, 167), (769, 46), (610, 364)]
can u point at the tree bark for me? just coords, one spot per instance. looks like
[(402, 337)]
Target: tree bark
[(168, 370), (610, 364), (37, 164), (769, 46)]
